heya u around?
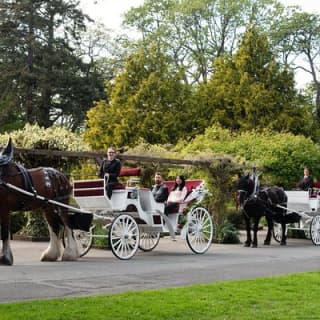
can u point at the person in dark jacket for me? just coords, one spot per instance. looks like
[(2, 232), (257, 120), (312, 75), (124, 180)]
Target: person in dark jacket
[(306, 182), (159, 190), (110, 170)]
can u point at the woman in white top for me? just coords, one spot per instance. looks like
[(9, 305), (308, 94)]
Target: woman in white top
[(177, 195)]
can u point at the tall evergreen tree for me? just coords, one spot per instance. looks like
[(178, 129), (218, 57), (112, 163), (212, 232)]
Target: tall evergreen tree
[(42, 78), (148, 101), (252, 91)]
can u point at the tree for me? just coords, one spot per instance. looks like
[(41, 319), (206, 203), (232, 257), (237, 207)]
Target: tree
[(252, 91), (148, 101), (194, 33), (298, 39), (42, 77), (281, 157)]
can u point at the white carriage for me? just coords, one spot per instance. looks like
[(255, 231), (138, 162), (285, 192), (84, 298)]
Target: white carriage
[(134, 220), (307, 205)]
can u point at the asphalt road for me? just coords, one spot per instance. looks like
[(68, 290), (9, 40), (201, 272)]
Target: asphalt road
[(171, 264)]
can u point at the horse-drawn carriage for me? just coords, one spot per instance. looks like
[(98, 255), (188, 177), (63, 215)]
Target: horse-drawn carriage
[(307, 205), (296, 210), (133, 219)]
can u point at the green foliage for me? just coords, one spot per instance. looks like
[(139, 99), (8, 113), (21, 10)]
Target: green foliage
[(227, 233), (235, 217), (282, 156), (36, 226), (147, 101), (17, 221), (100, 242), (252, 91), (195, 33), (44, 78), (297, 34)]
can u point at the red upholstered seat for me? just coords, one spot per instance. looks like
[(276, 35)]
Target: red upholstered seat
[(190, 184), (92, 188), (88, 192), (130, 172), (87, 184), (316, 184)]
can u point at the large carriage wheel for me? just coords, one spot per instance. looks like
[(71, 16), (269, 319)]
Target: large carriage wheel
[(124, 237), (315, 230), (148, 240), (199, 230), (84, 240), (277, 231)]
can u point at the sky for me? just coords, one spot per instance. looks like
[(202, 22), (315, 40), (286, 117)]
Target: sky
[(110, 12)]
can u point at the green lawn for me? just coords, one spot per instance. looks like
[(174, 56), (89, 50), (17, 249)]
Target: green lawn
[(289, 297)]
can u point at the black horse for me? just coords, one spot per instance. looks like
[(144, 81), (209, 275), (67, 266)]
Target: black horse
[(269, 202)]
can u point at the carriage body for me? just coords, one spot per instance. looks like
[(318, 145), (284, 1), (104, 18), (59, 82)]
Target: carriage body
[(135, 220), (305, 204)]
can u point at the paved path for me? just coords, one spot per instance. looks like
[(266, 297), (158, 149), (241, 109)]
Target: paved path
[(170, 264)]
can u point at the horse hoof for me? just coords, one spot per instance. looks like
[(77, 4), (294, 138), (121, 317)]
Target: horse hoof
[(283, 243), (6, 261), (267, 243), (246, 244), (254, 245), (45, 257)]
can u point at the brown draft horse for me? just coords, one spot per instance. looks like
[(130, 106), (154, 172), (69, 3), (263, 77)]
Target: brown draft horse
[(45, 182)]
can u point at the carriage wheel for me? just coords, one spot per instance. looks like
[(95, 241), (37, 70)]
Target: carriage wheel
[(149, 240), (315, 230), (84, 240), (199, 230), (124, 237), (277, 231)]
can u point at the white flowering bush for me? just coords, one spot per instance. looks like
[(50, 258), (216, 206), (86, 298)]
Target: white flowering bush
[(53, 138)]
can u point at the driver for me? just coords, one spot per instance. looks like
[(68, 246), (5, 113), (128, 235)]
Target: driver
[(110, 170), (306, 182)]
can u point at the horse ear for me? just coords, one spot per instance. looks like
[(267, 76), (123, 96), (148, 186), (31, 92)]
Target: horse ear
[(8, 149), (7, 153)]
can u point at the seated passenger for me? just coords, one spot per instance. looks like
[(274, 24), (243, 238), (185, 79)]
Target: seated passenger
[(159, 190), (176, 196), (306, 182)]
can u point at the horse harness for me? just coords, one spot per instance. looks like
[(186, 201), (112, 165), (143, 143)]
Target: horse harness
[(269, 204), (27, 182)]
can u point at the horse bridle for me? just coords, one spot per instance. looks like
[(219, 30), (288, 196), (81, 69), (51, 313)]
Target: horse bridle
[(246, 197)]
